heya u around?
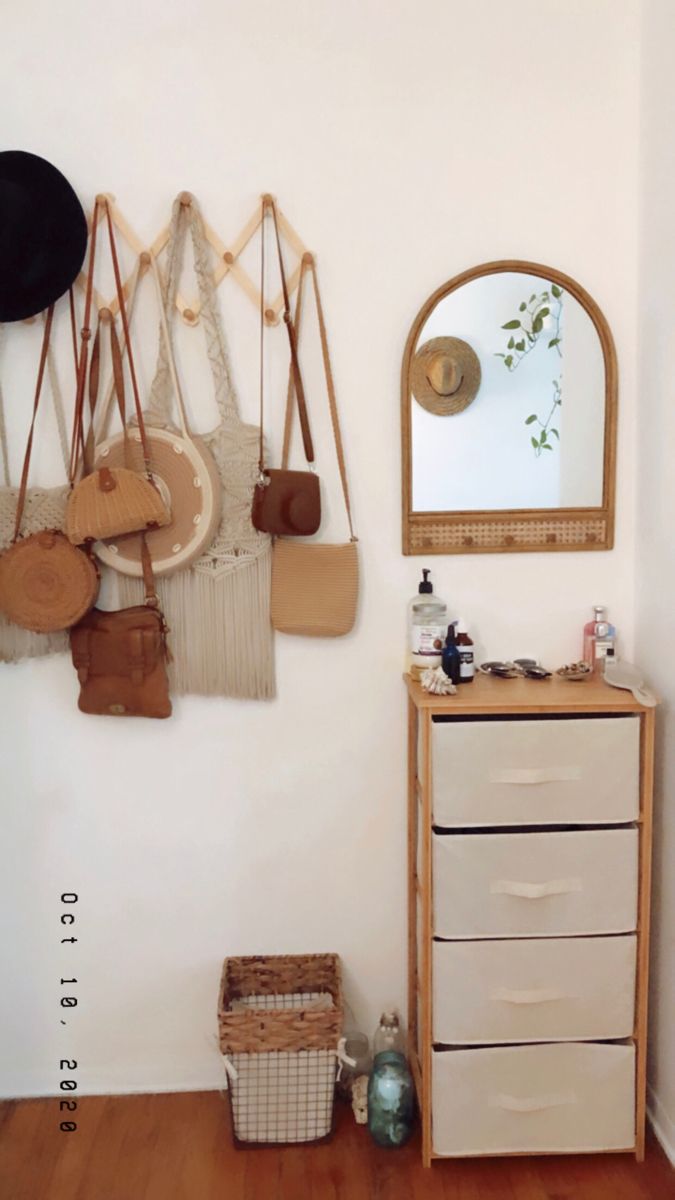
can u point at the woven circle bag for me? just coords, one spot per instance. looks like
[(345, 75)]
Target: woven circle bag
[(46, 584), (186, 474)]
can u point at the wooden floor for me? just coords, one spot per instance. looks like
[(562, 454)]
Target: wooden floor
[(178, 1147)]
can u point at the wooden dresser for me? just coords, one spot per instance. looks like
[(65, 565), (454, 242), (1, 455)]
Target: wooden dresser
[(530, 818)]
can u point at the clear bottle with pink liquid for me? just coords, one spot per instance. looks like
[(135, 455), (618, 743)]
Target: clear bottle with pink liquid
[(599, 638)]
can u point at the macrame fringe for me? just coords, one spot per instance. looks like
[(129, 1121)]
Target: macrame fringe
[(17, 643), (220, 634)]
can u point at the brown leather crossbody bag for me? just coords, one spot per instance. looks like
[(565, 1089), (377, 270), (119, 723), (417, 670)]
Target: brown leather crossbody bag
[(284, 502), (121, 657)]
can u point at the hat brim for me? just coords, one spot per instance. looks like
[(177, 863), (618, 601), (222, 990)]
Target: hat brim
[(43, 235), (469, 365)]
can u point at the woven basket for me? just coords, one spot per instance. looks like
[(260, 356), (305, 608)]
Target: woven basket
[(279, 1022)]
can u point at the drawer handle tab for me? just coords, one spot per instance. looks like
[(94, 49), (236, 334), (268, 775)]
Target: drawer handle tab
[(535, 891), (530, 995), (528, 1104), (535, 775)]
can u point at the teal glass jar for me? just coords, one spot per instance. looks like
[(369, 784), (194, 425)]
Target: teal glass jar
[(391, 1100)]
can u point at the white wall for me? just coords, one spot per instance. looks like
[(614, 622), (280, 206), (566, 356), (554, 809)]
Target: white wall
[(406, 143), (655, 559)]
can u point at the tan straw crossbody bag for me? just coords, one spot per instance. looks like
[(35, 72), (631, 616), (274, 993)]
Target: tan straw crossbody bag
[(183, 468), (315, 585), (110, 501)]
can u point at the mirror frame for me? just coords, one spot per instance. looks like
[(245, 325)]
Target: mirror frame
[(503, 531)]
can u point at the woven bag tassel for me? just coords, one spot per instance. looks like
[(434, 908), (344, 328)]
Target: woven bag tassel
[(220, 631)]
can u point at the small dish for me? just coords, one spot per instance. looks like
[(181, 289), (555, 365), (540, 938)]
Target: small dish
[(575, 672)]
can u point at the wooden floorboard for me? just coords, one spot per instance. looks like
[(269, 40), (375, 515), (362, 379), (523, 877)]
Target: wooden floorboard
[(178, 1147)]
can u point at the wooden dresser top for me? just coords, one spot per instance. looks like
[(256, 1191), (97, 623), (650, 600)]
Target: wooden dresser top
[(491, 695)]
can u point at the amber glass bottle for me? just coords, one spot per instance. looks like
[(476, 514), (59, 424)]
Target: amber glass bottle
[(465, 647)]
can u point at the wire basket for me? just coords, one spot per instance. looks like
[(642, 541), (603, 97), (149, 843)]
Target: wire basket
[(279, 1021)]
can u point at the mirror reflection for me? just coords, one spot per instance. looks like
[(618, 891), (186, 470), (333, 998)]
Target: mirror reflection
[(507, 394)]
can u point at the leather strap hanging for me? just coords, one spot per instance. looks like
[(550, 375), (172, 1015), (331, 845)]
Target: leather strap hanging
[(284, 502), (308, 266), (29, 444)]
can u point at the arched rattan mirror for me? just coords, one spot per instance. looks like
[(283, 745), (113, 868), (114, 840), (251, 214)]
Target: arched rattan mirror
[(508, 406)]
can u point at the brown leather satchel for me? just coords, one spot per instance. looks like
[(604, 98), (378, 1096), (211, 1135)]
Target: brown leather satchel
[(285, 502), (120, 658)]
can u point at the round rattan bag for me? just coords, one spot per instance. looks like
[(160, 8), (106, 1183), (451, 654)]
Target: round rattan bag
[(187, 477), (185, 473), (45, 583)]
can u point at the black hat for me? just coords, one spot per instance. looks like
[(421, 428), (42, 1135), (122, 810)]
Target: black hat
[(43, 235)]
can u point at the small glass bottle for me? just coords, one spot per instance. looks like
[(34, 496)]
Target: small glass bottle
[(450, 661), (467, 668), (427, 618), (391, 1101), (599, 637)]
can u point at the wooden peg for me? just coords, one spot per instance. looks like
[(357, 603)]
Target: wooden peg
[(105, 314), (189, 316), (228, 257), (145, 259), (270, 316), (268, 200), (308, 258), (186, 199)]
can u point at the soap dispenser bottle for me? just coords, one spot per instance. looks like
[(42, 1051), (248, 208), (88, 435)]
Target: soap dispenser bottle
[(427, 620)]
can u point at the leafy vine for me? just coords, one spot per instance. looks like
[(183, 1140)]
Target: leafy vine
[(525, 331)]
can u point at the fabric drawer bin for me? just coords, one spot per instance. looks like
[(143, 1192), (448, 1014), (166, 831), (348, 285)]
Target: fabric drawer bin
[(507, 1099), (535, 884), (534, 990), (536, 772)]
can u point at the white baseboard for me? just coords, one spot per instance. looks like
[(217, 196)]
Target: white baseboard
[(662, 1124)]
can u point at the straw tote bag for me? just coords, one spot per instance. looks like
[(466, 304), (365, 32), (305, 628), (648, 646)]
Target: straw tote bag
[(110, 500), (46, 584), (186, 474), (284, 502), (44, 508), (218, 609), (315, 585)]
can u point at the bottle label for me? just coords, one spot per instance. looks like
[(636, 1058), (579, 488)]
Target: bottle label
[(427, 640), (466, 664), (602, 646)]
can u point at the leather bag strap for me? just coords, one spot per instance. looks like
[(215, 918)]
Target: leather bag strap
[(127, 339), (269, 203), (308, 266), (77, 440), (36, 403)]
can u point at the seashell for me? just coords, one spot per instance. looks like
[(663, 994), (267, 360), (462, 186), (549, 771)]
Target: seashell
[(435, 680)]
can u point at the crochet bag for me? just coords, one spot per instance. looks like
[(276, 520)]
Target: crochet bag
[(219, 608), (315, 585)]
